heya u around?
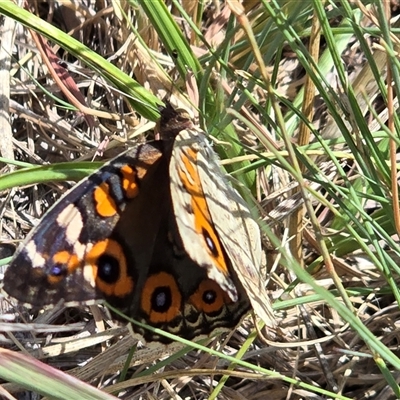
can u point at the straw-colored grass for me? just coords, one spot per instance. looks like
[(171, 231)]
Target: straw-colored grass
[(302, 99)]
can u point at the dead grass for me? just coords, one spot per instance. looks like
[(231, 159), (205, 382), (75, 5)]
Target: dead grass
[(314, 344)]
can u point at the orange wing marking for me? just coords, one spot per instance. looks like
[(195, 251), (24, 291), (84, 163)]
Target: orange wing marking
[(203, 221)]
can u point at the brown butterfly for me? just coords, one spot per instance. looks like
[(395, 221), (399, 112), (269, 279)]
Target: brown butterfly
[(158, 233)]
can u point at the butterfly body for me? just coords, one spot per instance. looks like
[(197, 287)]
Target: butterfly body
[(146, 233)]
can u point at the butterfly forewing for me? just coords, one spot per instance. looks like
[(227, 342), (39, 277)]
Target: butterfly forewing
[(192, 214), (231, 219), (54, 261)]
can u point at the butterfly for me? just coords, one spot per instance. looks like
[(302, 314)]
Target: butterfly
[(158, 233)]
